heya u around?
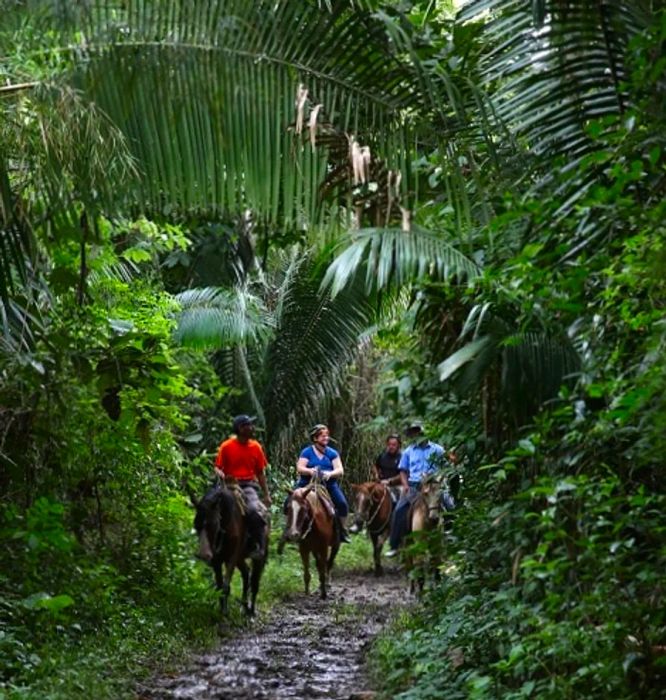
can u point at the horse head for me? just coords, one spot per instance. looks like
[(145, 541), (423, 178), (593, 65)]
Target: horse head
[(362, 504), (431, 491), (298, 516), (213, 512)]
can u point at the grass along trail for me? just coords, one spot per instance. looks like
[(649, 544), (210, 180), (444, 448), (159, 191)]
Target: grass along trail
[(299, 646)]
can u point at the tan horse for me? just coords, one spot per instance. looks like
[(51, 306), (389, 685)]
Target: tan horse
[(373, 509), (423, 519), (311, 523)]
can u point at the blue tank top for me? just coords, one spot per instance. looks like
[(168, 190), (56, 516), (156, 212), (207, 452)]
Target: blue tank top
[(324, 463)]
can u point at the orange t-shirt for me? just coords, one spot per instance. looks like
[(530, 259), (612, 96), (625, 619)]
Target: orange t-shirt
[(242, 461)]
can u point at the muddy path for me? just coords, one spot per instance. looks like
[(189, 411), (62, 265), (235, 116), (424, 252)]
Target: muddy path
[(303, 648)]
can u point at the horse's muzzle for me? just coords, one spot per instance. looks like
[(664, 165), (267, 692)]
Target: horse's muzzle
[(205, 551)]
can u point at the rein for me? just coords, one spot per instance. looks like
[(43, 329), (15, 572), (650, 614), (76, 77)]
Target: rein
[(376, 513), (312, 487), (309, 527)]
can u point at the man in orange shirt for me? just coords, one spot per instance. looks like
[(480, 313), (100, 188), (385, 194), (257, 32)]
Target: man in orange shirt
[(244, 459)]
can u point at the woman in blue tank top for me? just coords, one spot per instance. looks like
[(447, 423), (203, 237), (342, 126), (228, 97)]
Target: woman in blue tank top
[(319, 456)]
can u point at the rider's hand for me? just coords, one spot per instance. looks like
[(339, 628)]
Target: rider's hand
[(313, 473), (326, 476), (385, 482)]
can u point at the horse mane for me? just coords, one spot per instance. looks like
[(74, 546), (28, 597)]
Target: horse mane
[(217, 503)]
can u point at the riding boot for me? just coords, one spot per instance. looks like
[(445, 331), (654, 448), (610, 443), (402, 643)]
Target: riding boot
[(344, 535), (256, 539)]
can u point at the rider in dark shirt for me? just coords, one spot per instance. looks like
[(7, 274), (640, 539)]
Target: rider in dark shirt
[(386, 464)]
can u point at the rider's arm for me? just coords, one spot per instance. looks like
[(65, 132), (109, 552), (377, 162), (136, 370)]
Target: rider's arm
[(396, 480), (338, 471), (404, 473), (375, 469), (404, 480), (261, 478), (219, 462), (303, 469)]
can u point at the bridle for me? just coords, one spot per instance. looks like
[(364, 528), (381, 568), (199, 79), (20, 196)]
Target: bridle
[(433, 505), (374, 514), (309, 515)]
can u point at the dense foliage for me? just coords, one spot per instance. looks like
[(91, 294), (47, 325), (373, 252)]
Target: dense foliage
[(367, 211), (554, 587)]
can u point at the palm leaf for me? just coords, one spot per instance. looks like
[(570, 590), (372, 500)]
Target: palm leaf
[(552, 66), (213, 318), (316, 337), (461, 357), (391, 258), (534, 365), (205, 94)]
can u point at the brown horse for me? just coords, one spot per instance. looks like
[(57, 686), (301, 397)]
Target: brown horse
[(311, 523), (373, 509), (423, 519), (221, 528)]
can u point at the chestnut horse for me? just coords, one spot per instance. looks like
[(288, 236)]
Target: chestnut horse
[(373, 509), (311, 523), (220, 526)]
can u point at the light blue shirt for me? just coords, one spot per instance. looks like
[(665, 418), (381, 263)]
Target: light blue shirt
[(418, 460)]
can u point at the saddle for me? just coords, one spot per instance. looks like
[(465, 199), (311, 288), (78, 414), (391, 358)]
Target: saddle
[(237, 492), (324, 495)]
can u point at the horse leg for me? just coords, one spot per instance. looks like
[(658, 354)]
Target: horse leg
[(322, 568), (305, 558), (226, 587), (377, 543), (245, 575), (335, 548), (219, 583), (257, 569)]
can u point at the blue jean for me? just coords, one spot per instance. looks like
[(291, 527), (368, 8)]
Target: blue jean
[(333, 488), (399, 520)]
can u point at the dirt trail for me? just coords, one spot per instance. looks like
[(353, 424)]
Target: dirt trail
[(305, 648)]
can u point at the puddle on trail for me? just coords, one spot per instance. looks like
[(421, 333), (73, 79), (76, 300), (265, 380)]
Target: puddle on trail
[(306, 648)]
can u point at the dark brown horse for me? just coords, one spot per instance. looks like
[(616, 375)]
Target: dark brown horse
[(311, 523), (373, 509), (221, 528)]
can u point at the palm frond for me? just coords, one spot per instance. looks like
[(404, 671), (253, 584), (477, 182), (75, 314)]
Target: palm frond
[(316, 337), (552, 66), (213, 317), (205, 92), (534, 365), (467, 353), (391, 258)]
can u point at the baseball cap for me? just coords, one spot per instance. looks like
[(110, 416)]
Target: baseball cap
[(242, 420)]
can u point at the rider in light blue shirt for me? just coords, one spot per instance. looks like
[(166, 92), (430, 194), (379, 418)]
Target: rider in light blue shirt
[(419, 459)]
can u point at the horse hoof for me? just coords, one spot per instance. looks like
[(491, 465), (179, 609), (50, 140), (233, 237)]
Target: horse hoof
[(379, 571)]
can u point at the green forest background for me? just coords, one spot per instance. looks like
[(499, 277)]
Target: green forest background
[(360, 212)]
